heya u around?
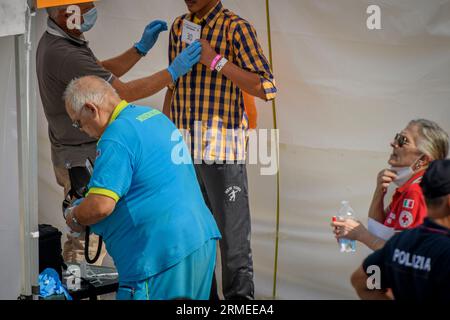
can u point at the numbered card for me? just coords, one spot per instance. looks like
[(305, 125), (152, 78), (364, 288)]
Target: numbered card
[(191, 31)]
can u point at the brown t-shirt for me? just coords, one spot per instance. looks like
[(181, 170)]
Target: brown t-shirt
[(59, 59)]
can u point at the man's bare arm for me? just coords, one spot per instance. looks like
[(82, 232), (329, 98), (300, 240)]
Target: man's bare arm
[(122, 63), (144, 87)]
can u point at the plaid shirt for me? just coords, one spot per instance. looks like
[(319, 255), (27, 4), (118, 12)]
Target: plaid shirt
[(205, 99)]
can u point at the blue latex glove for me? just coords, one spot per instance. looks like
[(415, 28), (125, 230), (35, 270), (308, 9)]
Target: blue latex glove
[(50, 284), (150, 35), (185, 60), (77, 202)]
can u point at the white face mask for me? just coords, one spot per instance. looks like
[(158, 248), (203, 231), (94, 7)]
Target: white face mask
[(403, 173)]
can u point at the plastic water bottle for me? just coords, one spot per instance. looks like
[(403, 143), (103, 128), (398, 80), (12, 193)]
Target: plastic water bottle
[(346, 212)]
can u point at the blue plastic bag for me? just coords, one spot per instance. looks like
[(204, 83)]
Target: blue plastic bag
[(50, 284)]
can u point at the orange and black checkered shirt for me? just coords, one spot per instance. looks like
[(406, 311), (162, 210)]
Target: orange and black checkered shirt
[(207, 100)]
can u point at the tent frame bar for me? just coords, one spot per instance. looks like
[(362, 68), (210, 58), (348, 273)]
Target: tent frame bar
[(28, 159)]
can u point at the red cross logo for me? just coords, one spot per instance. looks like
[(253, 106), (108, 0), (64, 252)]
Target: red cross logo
[(405, 219)]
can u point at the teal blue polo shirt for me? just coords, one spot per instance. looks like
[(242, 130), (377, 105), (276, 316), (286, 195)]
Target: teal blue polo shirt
[(160, 215)]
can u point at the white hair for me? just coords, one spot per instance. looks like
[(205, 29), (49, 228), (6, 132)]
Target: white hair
[(433, 140), (88, 89)]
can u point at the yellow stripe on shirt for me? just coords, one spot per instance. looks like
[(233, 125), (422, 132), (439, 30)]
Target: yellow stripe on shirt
[(104, 192)]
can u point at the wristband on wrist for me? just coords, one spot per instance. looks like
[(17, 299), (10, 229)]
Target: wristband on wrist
[(221, 64), (215, 61), (67, 212), (72, 217), (74, 220)]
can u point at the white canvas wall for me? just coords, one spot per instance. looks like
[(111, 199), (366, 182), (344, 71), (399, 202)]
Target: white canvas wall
[(344, 91), (9, 198), (12, 17)]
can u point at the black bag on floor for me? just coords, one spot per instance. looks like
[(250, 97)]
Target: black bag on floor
[(50, 251)]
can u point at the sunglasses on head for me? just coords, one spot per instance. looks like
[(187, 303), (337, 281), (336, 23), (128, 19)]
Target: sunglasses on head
[(400, 140)]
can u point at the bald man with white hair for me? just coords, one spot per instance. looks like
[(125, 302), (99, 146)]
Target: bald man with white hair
[(145, 203), (94, 97)]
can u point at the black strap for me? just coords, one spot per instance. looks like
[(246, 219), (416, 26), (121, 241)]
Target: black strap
[(79, 179), (86, 248)]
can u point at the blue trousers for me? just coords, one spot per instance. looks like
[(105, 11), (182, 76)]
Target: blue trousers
[(189, 279)]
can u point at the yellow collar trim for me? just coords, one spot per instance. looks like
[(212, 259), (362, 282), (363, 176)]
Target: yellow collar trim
[(117, 110)]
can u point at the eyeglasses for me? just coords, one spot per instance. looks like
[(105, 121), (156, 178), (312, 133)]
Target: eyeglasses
[(400, 140), (77, 123)]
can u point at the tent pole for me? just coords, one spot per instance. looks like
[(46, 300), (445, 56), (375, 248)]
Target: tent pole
[(27, 155), (275, 126)]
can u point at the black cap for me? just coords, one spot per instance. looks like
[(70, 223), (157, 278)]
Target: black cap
[(436, 180)]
